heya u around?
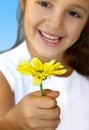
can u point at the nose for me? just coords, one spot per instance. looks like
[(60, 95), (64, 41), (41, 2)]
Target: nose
[(56, 20)]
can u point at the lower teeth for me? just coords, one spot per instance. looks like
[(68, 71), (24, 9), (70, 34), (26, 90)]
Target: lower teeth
[(49, 40)]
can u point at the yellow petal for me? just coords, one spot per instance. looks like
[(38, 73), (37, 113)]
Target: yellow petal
[(25, 68), (58, 66), (51, 62), (36, 81), (37, 64), (48, 67), (59, 72)]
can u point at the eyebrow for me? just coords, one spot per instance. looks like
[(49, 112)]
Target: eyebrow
[(79, 7)]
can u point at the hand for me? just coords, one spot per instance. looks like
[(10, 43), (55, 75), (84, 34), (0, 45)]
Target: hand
[(35, 112)]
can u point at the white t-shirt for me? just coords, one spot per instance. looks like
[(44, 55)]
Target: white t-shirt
[(74, 89)]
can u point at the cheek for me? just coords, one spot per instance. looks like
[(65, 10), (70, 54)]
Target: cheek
[(31, 22), (75, 31)]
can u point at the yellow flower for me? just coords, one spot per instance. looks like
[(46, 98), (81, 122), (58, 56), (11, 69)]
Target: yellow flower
[(40, 71)]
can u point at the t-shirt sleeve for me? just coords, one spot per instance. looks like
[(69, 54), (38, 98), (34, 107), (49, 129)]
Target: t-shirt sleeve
[(7, 69)]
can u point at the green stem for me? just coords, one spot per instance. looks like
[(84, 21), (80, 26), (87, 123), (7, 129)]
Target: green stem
[(41, 90)]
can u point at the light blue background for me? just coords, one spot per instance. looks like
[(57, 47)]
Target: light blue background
[(8, 23)]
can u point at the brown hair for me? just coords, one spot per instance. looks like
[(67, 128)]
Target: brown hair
[(77, 56), (20, 31)]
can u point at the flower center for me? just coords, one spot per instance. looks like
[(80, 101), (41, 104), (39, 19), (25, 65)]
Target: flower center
[(39, 71)]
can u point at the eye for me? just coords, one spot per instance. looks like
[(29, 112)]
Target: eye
[(74, 14), (45, 4)]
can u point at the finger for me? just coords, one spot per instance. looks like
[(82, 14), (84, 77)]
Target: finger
[(45, 124), (48, 114), (44, 129), (47, 101), (47, 92), (42, 101), (51, 93)]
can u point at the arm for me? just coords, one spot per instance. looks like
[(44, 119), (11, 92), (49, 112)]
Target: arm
[(6, 96), (6, 103)]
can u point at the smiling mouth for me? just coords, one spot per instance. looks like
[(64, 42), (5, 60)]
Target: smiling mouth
[(50, 37)]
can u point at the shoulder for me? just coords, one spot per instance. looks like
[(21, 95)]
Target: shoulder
[(9, 61), (15, 55), (80, 79), (80, 86)]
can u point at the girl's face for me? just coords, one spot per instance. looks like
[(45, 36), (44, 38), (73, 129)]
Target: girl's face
[(52, 26)]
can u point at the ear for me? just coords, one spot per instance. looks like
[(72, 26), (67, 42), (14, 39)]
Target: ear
[(22, 3)]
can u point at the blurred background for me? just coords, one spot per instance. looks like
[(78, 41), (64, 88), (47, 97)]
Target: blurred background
[(8, 23)]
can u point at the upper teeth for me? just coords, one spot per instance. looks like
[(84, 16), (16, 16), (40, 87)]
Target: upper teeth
[(50, 37)]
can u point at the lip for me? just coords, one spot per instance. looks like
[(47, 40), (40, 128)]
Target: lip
[(51, 39)]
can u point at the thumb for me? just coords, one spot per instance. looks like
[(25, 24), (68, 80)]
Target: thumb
[(51, 93)]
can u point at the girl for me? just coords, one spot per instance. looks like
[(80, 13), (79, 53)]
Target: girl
[(53, 29)]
